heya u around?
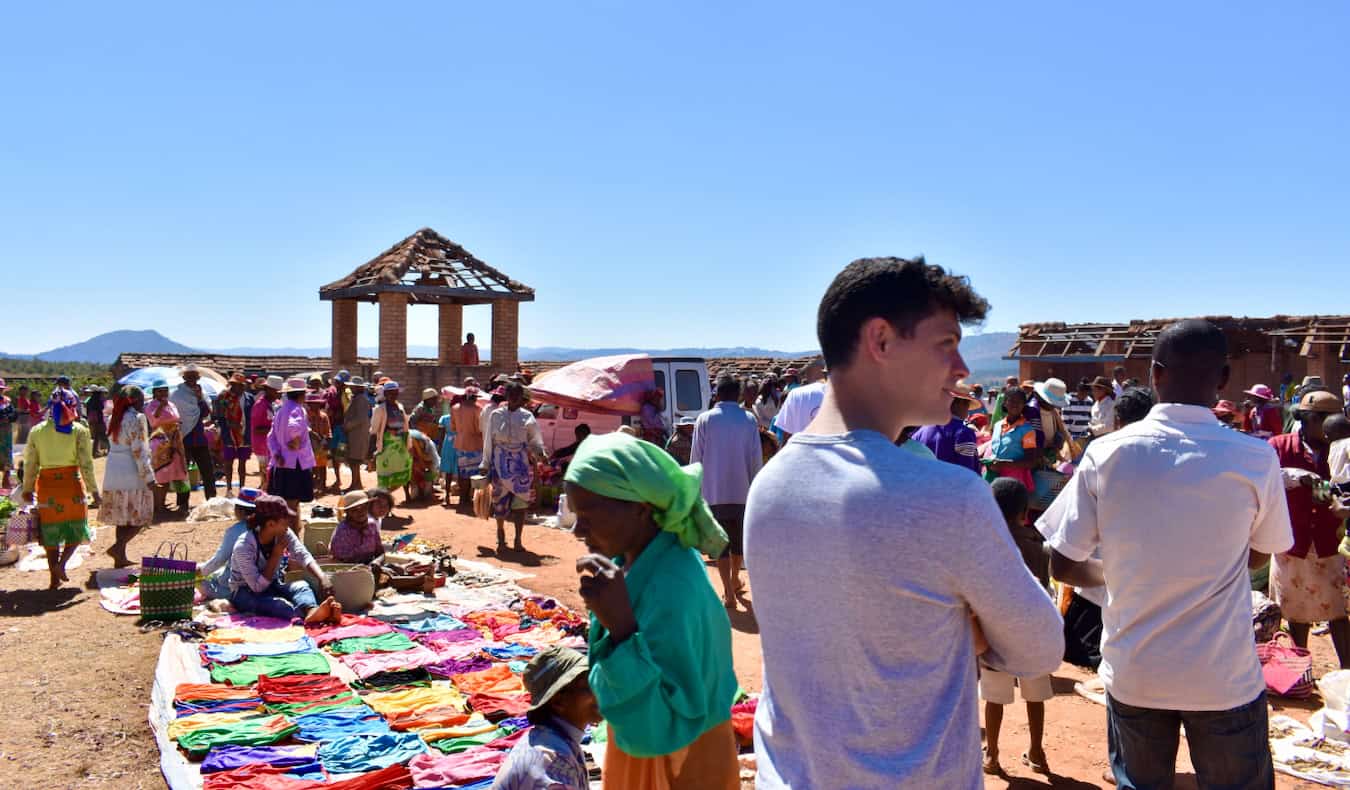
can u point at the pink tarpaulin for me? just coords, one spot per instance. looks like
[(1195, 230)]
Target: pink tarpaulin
[(607, 385)]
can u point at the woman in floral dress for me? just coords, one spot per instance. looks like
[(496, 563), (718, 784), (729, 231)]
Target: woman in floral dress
[(167, 456), (128, 481)]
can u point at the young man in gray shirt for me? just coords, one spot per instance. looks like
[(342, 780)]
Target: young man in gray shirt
[(868, 562)]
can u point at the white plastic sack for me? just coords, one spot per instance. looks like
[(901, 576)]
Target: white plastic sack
[(214, 509)]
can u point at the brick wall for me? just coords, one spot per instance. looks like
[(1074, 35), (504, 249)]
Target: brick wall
[(505, 334), (394, 335), (451, 334), (344, 333)]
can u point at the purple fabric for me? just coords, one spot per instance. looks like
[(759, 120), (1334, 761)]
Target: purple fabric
[(457, 635), (226, 758), (290, 424), (459, 666), (954, 443)]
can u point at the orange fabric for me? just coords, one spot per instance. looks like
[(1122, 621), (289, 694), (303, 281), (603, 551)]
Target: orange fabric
[(708, 763), (475, 725), (429, 718), (204, 692), (497, 680)]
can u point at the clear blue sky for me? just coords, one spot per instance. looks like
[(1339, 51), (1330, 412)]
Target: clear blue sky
[(667, 174)]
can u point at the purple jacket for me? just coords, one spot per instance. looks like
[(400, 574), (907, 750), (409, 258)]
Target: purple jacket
[(290, 424), (954, 443)]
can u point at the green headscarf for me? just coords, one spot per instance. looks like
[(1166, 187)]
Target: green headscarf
[(622, 467)]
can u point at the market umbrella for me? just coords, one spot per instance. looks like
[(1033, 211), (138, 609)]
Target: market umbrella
[(606, 385), (145, 379)]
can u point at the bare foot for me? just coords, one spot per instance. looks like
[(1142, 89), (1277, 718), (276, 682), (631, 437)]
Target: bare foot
[(321, 613), (991, 765), (55, 584), (337, 612), (64, 577), (729, 603)]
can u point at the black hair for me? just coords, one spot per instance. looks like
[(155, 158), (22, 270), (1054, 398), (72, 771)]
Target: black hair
[(1117, 369), (295, 395), (469, 337), (1012, 497), (903, 292), (582, 431), (1336, 427), (728, 388), (381, 493), (1193, 344), (1012, 392), (1133, 405), (515, 388)]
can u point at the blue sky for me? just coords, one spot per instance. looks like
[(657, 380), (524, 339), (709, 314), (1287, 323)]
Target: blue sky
[(667, 174)]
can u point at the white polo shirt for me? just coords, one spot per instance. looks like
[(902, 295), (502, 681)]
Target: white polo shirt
[(1174, 502), (800, 408)]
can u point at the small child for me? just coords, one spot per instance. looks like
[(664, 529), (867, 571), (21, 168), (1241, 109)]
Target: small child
[(381, 504), (449, 458), (996, 688)]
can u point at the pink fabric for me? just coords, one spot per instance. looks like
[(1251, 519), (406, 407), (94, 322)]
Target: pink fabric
[(367, 664), (608, 385), (261, 421), (441, 770), (351, 631), (291, 426), (454, 650)]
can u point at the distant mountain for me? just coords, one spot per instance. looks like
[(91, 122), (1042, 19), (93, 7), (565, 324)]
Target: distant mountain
[(984, 355), (558, 354), (105, 347)]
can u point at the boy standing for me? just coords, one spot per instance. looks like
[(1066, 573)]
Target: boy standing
[(996, 688)]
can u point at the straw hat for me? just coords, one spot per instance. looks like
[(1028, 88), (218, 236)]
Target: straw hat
[(429, 393), (238, 378), (353, 499), (1225, 407), (1054, 392), (315, 397), (276, 383), (1103, 382), (315, 379), (293, 384), (962, 390), (357, 381), (1320, 403)]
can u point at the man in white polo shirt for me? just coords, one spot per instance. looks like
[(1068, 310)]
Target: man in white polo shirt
[(1179, 507)]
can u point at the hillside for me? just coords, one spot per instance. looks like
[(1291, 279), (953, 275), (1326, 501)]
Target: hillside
[(105, 347)]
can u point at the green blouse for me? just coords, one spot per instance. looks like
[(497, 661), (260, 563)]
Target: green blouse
[(672, 680)]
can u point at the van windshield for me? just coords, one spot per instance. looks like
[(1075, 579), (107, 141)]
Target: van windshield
[(688, 391)]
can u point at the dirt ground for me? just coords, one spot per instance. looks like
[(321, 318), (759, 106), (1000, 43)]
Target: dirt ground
[(77, 679)]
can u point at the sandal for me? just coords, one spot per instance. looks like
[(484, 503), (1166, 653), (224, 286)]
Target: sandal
[(1040, 768), (990, 765)]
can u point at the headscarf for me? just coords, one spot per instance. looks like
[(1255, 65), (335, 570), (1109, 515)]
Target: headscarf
[(121, 404), (622, 467), (65, 409)]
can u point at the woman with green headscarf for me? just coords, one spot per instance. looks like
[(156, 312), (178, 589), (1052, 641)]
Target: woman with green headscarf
[(660, 640)]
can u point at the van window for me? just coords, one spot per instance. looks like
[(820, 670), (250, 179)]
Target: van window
[(569, 413), (661, 380), (547, 412), (688, 391)]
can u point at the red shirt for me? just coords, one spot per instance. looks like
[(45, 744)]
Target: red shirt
[(1313, 523), (1267, 418), (469, 355)]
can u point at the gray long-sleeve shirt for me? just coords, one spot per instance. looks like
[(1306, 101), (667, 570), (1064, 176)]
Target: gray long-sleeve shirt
[(867, 562), (726, 442)]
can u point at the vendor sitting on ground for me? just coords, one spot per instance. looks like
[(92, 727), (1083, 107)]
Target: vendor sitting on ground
[(426, 460), (216, 571), (257, 573), (549, 756), (357, 538)]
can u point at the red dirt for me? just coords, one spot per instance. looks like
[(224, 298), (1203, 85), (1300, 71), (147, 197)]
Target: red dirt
[(77, 679)]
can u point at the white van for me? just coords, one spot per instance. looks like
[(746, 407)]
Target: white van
[(688, 394)]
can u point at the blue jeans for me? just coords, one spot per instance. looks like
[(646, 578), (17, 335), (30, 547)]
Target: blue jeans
[(278, 600), (1229, 748)]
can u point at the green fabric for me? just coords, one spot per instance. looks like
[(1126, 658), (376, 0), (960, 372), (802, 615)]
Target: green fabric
[(457, 745), (391, 642), (246, 672), (622, 467), (65, 532), (257, 731), (997, 416), (393, 465), (672, 681), (294, 709)]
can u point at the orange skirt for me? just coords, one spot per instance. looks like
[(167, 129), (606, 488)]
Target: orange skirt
[(709, 763)]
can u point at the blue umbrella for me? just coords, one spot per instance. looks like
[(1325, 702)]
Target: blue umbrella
[(147, 378)]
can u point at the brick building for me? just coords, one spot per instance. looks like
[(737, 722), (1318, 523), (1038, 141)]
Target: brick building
[(1261, 350)]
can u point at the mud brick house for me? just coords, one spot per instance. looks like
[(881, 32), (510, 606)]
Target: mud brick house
[(1261, 350)]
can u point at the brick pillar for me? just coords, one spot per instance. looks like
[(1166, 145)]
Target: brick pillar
[(451, 334), (394, 335), (344, 334), (505, 334)]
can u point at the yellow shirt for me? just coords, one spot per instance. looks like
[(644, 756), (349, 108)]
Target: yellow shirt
[(48, 448)]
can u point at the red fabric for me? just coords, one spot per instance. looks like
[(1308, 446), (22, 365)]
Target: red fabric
[(347, 619), (395, 777), (1269, 418), (258, 776), (607, 385), (505, 743), (1313, 523), (510, 704), (743, 720), (300, 688)]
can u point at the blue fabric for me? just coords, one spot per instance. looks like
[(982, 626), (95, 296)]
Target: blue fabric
[(283, 601), (508, 652), (360, 753), (340, 722), (449, 458), (438, 622), (1229, 748), (229, 654), (217, 706)]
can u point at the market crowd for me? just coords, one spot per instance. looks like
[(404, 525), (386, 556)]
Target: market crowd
[(898, 525)]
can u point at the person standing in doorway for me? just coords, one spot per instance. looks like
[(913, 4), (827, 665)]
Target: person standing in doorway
[(1308, 580), (726, 442), (511, 444), (468, 355), (843, 519), (1177, 646), (194, 410)]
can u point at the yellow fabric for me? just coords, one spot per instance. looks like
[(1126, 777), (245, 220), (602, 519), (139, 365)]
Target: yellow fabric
[(49, 448), (185, 724), (235, 635), (476, 725), (416, 700)]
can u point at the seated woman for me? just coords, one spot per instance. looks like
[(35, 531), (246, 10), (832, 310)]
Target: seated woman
[(660, 641), (258, 568), (216, 571), (357, 538), (426, 461), (549, 756)]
